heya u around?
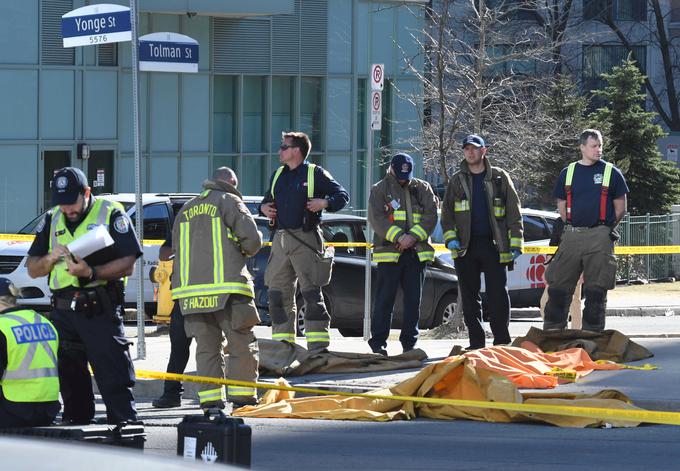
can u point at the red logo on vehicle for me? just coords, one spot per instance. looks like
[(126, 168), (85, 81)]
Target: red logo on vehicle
[(536, 271)]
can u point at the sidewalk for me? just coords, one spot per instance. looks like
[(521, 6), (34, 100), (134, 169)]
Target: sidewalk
[(655, 390)]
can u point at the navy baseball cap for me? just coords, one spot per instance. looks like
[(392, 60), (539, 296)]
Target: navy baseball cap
[(473, 139), (5, 283), (67, 184), (402, 166)]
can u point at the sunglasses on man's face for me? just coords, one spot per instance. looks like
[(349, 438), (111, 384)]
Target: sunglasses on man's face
[(286, 146)]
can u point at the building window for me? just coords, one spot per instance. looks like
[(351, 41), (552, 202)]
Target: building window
[(620, 10), (224, 114), (675, 11), (512, 9), (311, 111), (253, 114), (283, 97), (361, 114), (509, 67), (598, 60)]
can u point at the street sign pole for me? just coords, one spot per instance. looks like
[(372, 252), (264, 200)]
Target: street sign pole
[(369, 231), (139, 211), (374, 101)]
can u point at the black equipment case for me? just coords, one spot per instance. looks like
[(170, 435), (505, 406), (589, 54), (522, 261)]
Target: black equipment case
[(216, 438), (128, 436)]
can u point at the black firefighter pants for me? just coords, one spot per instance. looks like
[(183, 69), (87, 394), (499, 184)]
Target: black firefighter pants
[(409, 273), (99, 340), (179, 352), (482, 257)]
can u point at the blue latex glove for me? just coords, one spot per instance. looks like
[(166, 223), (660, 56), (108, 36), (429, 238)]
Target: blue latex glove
[(515, 253), (453, 245)]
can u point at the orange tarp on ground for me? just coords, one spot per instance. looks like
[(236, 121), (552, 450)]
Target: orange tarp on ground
[(529, 367), (459, 377)]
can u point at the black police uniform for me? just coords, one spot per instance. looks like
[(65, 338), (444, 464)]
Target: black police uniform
[(94, 335)]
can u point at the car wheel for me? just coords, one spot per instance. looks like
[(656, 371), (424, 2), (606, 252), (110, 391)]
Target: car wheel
[(446, 309), (300, 317)]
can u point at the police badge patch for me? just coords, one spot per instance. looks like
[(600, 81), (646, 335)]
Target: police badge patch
[(62, 182), (121, 225), (597, 178), (40, 226)]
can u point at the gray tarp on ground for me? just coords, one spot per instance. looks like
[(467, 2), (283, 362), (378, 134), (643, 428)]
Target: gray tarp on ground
[(608, 345), (285, 359)]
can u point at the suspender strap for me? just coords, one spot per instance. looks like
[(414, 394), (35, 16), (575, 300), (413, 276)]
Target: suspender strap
[(567, 188), (605, 191)]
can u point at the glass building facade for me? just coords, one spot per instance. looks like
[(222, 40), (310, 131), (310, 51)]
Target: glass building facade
[(291, 65)]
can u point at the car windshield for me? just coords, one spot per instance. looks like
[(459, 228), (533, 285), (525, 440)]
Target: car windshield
[(30, 227)]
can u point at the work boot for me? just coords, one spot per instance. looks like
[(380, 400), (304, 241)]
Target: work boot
[(380, 351), (246, 401), (167, 401)]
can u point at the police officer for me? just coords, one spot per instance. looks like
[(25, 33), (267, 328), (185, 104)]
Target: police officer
[(591, 199), (298, 193), (482, 226), (179, 347), (212, 236), (403, 213), (87, 298), (29, 380)]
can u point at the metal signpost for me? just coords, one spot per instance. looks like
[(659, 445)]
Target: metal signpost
[(375, 124), (139, 211)]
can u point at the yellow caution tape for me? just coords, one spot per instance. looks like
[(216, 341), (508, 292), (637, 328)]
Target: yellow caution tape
[(567, 375), (535, 249), (645, 367), (652, 417)]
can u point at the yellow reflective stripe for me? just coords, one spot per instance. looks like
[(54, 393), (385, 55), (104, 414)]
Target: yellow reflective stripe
[(184, 247), (516, 242), (204, 194), (381, 257), (276, 177), (462, 205), (607, 174), (426, 256), (222, 288), (392, 233), (284, 336), (450, 234), (240, 391), (218, 257), (499, 211), (310, 181), (505, 257), (419, 232), (317, 336), (570, 174), (399, 215), (211, 395)]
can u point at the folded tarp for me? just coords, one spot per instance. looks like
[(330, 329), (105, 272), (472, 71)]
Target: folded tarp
[(454, 378), (608, 345), (286, 359)]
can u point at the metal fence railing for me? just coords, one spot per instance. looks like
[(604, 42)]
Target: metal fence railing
[(649, 230)]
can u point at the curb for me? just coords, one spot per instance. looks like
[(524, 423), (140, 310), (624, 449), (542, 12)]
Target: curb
[(639, 311)]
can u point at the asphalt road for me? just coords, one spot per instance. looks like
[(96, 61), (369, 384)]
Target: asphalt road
[(451, 445)]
